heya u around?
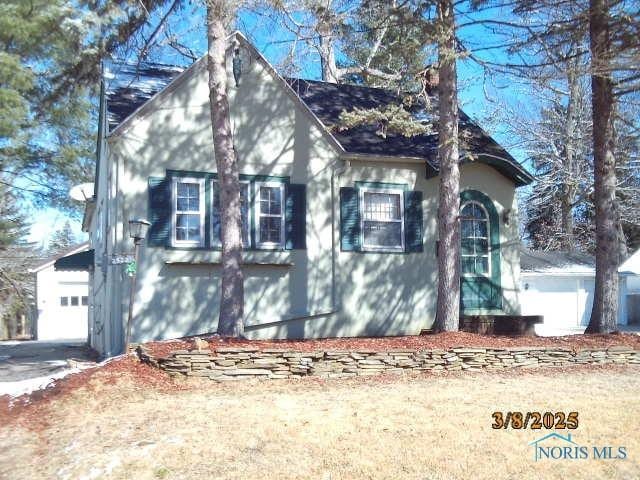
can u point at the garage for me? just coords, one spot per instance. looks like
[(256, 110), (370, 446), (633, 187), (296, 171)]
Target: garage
[(62, 296)]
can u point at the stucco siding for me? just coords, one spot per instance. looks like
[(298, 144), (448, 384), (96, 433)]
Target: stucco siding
[(316, 292), (179, 289)]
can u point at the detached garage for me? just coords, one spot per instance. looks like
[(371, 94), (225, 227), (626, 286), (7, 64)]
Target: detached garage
[(559, 286), (62, 296), (630, 290)]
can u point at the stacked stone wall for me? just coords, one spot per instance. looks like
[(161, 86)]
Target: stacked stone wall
[(241, 363)]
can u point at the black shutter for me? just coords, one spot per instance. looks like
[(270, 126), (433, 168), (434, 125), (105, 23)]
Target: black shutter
[(159, 211), (413, 221), (296, 217), (349, 219)]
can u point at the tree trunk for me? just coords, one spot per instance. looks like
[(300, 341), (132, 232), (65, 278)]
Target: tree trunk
[(230, 321), (327, 52), (605, 303), (569, 173), (448, 307)]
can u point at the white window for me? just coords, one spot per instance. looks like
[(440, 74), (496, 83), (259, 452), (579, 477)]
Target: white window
[(382, 219), (474, 239), (269, 214), (216, 230), (188, 212)]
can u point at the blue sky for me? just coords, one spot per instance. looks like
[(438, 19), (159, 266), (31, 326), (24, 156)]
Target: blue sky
[(475, 95)]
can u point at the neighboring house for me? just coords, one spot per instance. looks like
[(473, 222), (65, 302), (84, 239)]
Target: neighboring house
[(630, 289), (62, 296), (339, 227), (560, 287)]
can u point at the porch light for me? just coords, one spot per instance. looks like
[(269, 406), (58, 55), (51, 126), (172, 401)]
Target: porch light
[(237, 66), (138, 229)]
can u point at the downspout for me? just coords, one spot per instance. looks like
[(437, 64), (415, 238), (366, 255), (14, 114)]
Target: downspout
[(337, 169)]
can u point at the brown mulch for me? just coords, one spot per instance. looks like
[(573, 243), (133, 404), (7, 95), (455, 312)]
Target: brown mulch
[(32, 409), (417, 342)]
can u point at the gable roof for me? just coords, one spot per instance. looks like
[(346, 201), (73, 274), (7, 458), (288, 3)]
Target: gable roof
[(557, 262), (324, 101)]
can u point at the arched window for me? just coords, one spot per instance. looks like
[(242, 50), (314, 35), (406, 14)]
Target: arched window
[(474, 239)]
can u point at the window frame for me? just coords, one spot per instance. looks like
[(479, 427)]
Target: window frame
[(64, 301), (487, 219), (259, 244), (218, 243), (381, 248), (175, 180)]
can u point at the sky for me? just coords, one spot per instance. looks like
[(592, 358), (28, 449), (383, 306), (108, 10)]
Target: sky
[(480, 96)]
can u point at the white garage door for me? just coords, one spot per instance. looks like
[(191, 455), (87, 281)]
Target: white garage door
[(66, 316), (565, 302)]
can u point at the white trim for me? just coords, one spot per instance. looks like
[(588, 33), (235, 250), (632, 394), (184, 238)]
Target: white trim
[(257, 214), (556, 273), (174, 212), (218, 243), (488, 238), (381, 248)]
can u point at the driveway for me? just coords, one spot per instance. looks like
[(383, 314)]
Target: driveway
[(33, 359)]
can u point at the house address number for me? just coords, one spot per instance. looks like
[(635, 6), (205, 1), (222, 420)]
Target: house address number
[(122, 258)]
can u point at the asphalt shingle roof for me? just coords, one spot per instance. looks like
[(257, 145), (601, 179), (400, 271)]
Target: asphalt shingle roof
[(131, 86), (537, 261), (135, 85)]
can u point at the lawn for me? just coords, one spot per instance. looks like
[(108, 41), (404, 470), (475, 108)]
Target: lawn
[(129, 422)]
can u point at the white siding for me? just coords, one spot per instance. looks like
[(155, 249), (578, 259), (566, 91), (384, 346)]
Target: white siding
[(564, 301), (57, 322)]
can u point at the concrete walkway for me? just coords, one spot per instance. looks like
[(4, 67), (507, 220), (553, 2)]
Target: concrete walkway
[(31, 359)]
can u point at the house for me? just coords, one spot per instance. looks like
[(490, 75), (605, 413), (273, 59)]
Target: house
[(62, 296), (560, 287), (339, 227), (629, 287)]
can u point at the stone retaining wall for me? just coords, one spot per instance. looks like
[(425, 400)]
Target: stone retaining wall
[(238, 363)]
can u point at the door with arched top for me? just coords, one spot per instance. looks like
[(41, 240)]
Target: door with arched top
[(480, 279)]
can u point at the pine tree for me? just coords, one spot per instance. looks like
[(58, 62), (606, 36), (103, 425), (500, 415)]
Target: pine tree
[(16, 256), (62, 240), (230, 321)]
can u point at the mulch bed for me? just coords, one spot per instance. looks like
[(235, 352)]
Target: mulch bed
[(418, 342), (31, 409), (34, 410)]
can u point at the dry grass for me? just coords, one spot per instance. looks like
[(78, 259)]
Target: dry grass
[(415, 427)]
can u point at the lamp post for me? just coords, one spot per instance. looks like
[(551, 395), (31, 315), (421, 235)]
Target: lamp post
[(137, 231)]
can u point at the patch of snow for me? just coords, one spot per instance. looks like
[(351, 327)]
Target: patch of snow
[(96, 472), (21, 387)]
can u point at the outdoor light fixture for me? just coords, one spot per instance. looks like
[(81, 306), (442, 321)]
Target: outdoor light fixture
[(506, 216), (138, 231), (237, 65)]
